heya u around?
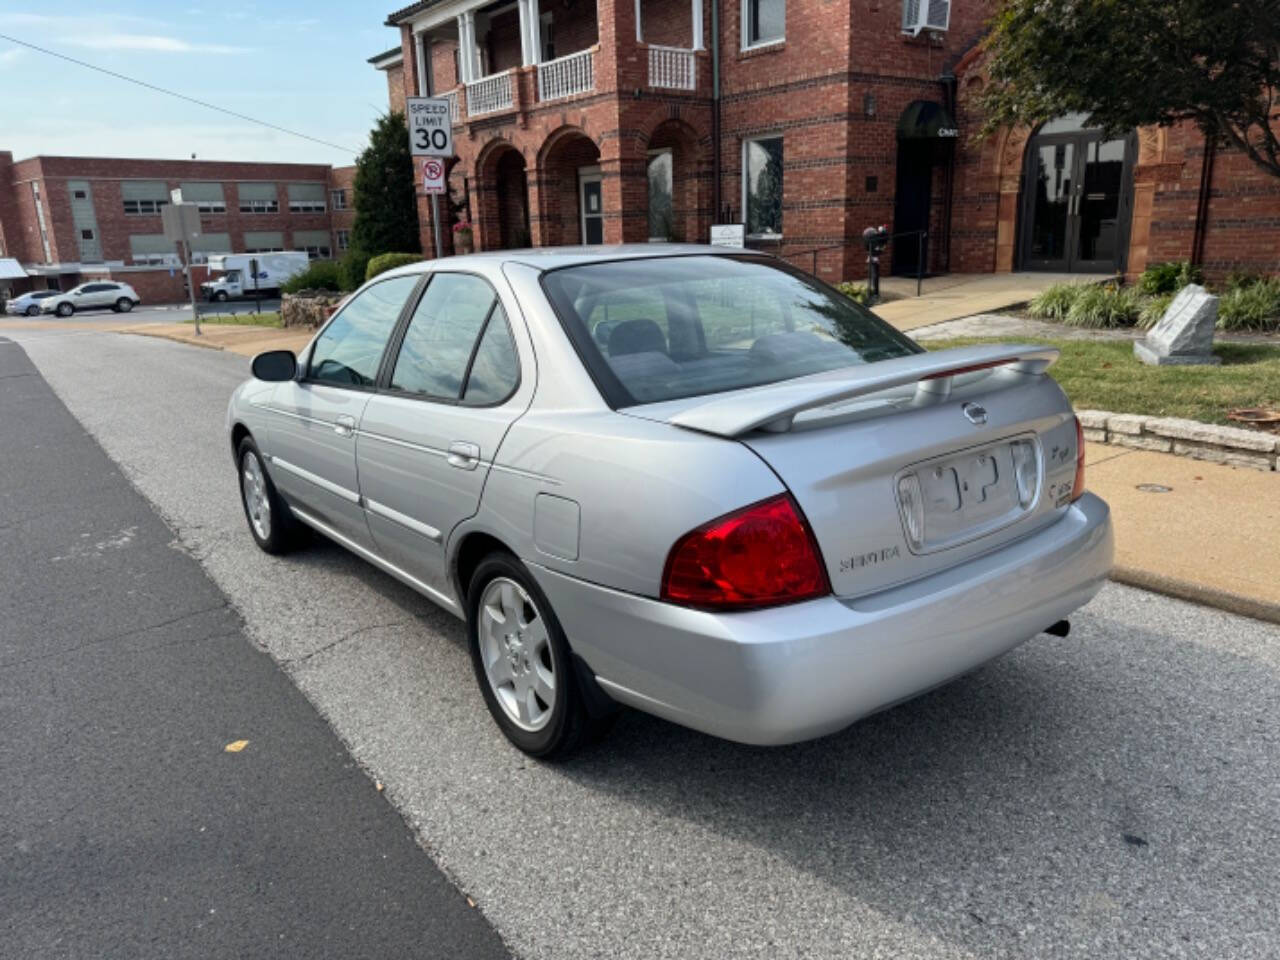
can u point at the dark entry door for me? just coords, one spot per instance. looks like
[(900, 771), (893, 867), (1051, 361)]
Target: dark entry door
[(1077, 202), (913, 195)]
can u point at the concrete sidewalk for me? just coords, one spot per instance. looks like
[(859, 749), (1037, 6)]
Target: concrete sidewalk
[(237, 338), (957, 295), (1214, 538)]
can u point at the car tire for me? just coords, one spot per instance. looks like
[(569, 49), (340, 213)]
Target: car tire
[(221, 296), (65, 310), (33, 311), (272, 524), (124, 305), (517, 646)]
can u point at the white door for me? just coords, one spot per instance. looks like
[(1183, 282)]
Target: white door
[(591, 204)]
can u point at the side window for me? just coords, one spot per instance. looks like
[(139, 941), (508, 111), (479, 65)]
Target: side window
[(439, 340), (496, 369), (349, 350)]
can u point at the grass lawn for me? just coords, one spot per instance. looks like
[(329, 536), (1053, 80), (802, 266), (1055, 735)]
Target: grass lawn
[(264, 319), (1104, 375)]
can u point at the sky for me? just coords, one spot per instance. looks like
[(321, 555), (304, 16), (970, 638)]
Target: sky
[(299, 65)]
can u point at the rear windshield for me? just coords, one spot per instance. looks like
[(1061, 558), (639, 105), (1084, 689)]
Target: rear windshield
[(670, 327)]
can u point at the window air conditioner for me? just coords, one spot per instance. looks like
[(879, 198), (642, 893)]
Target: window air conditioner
[(921, 15)]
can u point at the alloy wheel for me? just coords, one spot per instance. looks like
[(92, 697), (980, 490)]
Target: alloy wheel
[(253, 487), (517, 655)]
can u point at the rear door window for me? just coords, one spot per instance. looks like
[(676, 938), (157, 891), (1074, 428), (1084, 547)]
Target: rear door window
[(457, 346), (350, 349)]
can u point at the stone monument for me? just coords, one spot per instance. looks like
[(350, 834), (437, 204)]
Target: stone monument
[(1184, 334)]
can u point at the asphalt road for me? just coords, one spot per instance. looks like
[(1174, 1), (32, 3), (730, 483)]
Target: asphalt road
[(128, 829), (1112, 794)]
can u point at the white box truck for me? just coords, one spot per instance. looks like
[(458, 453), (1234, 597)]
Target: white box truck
[(231, 274)]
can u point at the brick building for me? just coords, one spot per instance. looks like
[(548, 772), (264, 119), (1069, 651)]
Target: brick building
[(72, 219), (807, 120)]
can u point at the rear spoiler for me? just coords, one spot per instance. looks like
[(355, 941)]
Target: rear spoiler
[(773, 407)]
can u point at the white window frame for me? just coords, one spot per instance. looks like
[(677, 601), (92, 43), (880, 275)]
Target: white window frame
[(212, 206), (746, 183), (306, 206), (319, 253), (745, 17), (259, 206), (342, 239), (338, 198)]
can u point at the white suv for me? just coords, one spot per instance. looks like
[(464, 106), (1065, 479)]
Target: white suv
[(98, 295)]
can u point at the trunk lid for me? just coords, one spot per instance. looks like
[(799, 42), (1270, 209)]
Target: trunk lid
[(909, 466)]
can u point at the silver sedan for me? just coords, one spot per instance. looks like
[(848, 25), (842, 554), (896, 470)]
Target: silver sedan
[(695, 482)]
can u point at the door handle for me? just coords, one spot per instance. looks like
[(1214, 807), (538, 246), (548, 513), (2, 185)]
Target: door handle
[(344, 425), (464, 456)]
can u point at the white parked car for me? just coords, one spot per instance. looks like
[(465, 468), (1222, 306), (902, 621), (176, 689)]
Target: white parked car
[(28, 304), (97, 295)]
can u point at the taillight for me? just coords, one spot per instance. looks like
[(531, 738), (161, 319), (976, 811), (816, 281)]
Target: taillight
[(759, 556), (1077, 489)]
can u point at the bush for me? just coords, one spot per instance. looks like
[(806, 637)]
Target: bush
[(389, 261), (1053, 302), (854, 291), (1153, 309), (320, 275), (351, 269), (1101, 307), (1255, 307), (1169, 277), (1240, 279)]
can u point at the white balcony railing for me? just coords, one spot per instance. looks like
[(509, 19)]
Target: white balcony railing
[(490, 94), (672, 67), (455, 112), (565, 76)]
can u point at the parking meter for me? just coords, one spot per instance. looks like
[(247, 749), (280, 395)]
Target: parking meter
[(875, 239)]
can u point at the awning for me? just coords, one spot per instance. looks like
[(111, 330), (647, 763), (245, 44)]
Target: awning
[(926, 120), (11, 269)]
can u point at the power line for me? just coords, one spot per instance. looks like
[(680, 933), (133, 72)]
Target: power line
[(172, 93)]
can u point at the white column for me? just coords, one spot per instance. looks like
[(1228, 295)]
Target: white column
[(639, 25), (523, 7), (697, 24), (420, 51), (535, 30), (464, 61)]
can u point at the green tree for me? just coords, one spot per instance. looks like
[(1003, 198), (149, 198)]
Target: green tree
[(1131, 63), (386, 207)]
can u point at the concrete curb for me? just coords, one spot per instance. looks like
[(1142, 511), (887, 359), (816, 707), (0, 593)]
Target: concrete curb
[(192, 339), (1233, 446), (1195, 593)]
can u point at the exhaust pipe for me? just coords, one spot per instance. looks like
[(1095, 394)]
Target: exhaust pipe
[(1059, 629)]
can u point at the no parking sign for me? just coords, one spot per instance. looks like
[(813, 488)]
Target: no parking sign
[(433, 175)]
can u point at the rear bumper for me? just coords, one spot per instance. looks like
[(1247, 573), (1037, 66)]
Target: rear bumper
[(797, 672)]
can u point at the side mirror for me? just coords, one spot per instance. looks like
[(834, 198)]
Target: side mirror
[(275, 366)]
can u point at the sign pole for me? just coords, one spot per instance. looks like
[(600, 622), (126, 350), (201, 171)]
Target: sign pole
[(257, 297), (435, 220), (191, 286)]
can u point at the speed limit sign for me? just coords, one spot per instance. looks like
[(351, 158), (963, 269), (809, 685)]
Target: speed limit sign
[(430, 126)]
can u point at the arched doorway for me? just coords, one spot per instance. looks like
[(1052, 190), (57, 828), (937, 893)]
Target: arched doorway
[(513, 201), (672, 162), (1077, 200), (571, 195), (926, 149)]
